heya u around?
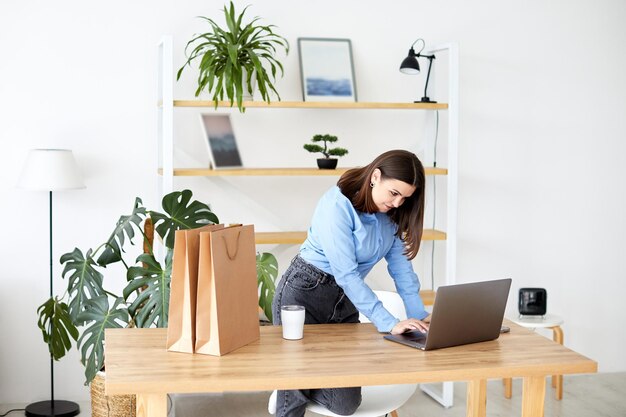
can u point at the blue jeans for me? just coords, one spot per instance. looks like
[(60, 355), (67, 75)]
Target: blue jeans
[(324, 302)]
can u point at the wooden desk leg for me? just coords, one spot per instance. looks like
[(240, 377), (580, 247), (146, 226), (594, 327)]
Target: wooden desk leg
[(557, 380), (151, 405), (477, 398), (533, 396), (508, 387)]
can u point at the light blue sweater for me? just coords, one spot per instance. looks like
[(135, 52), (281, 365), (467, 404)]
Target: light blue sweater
[(347, 244)]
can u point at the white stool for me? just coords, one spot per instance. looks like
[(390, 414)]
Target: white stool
[(549, 321)]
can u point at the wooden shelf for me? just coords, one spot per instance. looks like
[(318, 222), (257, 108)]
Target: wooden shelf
[(294, 238), (286, 238), (208, 172), (428, 297), (313, 105), (432, 234)]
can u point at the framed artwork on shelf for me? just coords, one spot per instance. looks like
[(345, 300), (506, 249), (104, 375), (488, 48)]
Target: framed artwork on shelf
[(326, 69), (220, 140)]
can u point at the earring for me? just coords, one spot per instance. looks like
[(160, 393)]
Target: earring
[(371, 184)]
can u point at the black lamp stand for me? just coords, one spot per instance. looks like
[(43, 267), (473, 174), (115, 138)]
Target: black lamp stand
[(426, 99), (52, 407)]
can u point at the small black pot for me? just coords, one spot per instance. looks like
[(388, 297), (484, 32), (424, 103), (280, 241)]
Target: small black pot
[(327, 163)]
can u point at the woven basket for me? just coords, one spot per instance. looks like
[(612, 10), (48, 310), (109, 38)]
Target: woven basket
[(109, 406)]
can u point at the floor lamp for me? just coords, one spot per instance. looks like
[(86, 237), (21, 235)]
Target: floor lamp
[(51, 170)]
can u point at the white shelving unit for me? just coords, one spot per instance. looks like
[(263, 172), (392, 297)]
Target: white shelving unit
[(444, 393), (167, 171)]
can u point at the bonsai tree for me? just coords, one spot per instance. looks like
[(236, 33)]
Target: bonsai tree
[(314, 147), (144, 302), (231, 59), (327, 162)]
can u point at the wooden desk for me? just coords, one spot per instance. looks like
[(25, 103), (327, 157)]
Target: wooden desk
[(338, 355)]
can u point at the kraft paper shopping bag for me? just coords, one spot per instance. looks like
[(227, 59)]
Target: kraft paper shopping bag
[(227, 312), (183, 289)]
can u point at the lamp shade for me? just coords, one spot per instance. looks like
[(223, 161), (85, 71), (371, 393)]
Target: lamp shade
[(50, 170), (410, 65)]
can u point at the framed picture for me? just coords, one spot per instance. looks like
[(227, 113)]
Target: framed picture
[(326, 69), (220, 140)]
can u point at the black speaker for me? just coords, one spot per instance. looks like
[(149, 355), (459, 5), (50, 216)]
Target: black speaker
[(532, 301)]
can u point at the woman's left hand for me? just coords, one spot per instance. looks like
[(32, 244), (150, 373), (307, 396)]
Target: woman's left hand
[(409, 325)]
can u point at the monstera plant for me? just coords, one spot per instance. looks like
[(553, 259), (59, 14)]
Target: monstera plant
[(88, 307)]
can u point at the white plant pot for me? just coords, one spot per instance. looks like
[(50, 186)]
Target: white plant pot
[(208, 95), (247, 96)]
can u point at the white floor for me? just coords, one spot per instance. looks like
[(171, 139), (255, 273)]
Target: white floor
[(599, 395)]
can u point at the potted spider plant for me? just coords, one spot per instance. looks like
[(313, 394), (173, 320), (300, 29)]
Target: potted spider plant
[(326, 162), (88, 303), (232, 59)]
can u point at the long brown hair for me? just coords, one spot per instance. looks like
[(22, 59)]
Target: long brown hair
[(398, 165)]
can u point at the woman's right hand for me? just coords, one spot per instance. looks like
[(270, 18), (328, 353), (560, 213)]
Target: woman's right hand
[(409, 325)]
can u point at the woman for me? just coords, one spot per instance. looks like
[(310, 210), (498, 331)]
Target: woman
[(374, 212)]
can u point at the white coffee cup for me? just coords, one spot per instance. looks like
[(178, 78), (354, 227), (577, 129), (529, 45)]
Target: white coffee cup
[(292, 317)]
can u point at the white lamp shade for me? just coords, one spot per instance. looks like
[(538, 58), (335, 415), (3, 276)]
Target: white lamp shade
[(50, 170)]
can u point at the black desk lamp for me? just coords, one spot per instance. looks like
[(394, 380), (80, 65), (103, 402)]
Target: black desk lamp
[(411, 66)]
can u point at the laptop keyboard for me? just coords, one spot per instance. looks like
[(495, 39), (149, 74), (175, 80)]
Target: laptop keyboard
[(414, 336)]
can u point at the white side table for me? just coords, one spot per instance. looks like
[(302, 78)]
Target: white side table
[(549, 321)]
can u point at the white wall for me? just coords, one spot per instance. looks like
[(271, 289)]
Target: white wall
[(542, 191)]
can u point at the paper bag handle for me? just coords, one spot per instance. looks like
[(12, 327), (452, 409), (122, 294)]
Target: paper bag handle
[(234, 255)]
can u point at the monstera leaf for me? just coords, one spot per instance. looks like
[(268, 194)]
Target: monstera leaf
[(145, 301), (266, 271), (57, 327), (152, 285), (182, 215), (99, 317), (125, 226), (84, 281)]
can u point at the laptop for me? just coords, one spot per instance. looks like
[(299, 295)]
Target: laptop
[(462, 314)]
